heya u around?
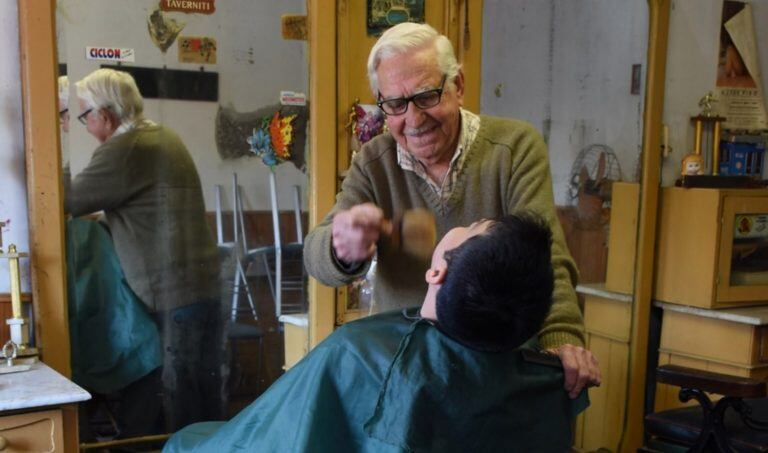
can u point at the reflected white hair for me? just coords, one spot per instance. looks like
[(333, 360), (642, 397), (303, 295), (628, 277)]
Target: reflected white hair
[(408, 36), (113, 90), (63, 91)]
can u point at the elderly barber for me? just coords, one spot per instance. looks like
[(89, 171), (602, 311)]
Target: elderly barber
[(462, 166), (143, 178)]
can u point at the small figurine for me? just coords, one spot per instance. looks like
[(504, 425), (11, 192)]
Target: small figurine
[(706, 104), (693, 164)]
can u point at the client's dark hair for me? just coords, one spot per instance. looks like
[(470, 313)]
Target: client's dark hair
[(498, 285)]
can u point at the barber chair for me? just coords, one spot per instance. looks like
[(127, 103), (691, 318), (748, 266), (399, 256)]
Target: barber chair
[(738, 422)]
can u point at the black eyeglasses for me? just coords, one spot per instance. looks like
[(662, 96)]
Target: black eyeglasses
[(82, 117), (424, 100)]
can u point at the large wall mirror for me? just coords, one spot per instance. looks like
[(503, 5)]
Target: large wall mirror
[(214, 78)]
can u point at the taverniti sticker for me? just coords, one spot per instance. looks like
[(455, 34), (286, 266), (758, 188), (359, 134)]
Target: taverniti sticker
[(109, 54), (189, 6), (197, 49)]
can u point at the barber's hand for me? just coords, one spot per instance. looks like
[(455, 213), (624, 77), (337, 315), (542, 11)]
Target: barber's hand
[(580, 367), (356, 231)]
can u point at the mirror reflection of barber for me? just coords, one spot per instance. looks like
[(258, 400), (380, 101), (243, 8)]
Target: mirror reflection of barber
[(144, 180), (462, 166)]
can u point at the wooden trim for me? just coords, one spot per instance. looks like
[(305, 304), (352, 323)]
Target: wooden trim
[(322, 162), (5, 298), (470, 57), (658, 24), (37, 48), (71, 431), (451, 21)]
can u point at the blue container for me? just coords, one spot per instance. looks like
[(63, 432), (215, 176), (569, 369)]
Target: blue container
[(737, 158)]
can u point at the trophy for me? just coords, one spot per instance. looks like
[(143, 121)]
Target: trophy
[(707, 125)]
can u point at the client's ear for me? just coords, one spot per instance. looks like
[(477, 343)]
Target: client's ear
[(435, 275)]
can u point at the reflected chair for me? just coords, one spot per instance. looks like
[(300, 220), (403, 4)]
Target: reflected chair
[(282, 263), (235, 285), (285, 271), (738, 422), (237, 329)]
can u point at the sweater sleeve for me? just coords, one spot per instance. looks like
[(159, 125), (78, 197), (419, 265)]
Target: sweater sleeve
[(103, 184), (319, 259), (530, 189)]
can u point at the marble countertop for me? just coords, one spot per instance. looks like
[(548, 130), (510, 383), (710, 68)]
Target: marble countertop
[(598, 289), (298, 319), (40, 386), (756, 316)]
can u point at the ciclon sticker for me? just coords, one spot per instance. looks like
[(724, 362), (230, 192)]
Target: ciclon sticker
[(109, 54)]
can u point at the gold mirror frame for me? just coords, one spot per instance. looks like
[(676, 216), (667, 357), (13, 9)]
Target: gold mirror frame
[(46, 217), (658, 37), (37, 51)]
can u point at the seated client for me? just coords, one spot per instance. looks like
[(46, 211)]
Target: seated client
[(449, 376)]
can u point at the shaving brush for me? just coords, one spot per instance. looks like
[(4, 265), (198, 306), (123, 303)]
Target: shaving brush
[(414, 232)]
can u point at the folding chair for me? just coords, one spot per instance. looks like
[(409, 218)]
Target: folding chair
[(275, 257)]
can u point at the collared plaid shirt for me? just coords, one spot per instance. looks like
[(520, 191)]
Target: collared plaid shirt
[(470, 124)]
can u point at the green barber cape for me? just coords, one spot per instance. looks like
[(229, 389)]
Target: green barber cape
[(113, 340), (393, 383)]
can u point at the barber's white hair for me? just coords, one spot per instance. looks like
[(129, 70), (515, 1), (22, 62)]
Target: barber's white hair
[(405, 37), (63, 91), (112, 90)]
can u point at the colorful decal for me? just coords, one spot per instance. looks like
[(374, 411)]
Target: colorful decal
[(751, 226), (383, 14), (197, 49), (369, 122), (272, 141), (163, 30)]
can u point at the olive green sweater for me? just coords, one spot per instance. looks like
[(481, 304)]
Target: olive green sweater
[(506, 170), (147, 185)]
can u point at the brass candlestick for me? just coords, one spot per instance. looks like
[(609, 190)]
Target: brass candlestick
[(17, 322), (13, 268)]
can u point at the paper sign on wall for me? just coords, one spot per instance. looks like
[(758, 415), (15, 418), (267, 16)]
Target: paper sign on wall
[(189, 6), (109, 54), (292, 98), (738, 88), (197, 49)]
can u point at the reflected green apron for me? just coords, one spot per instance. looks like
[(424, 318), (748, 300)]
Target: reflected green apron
[(114, 341)]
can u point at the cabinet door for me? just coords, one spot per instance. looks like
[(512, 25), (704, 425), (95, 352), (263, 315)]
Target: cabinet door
[(743, 256), (35, 431)]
